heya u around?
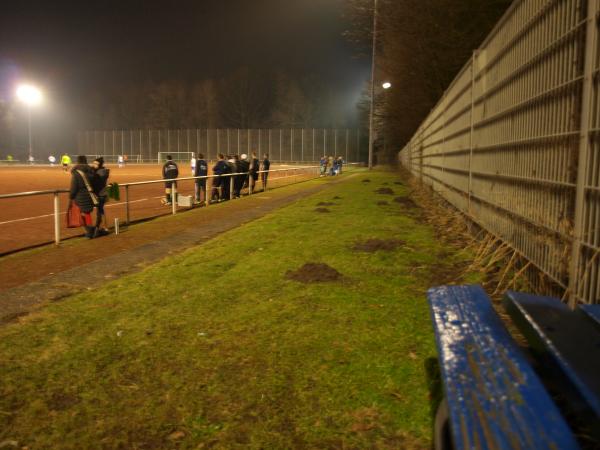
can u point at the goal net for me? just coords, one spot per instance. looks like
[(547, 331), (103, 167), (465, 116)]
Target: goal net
[(177, 156)]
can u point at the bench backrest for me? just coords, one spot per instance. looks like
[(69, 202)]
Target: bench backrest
[(495, 399), (567, 343)]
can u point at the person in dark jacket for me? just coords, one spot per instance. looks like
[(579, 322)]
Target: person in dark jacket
[(99, 182), (254, 168), (79, 193), (220, 168), (241, 180), (200, 170), (226, 181), (170, 172), (266, 166)]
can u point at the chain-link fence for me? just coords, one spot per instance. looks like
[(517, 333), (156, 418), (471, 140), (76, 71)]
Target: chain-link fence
[(282, 145), (514, 143)]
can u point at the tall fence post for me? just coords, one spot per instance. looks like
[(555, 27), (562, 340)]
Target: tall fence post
[(472, 130), (357, 144), (56, 219), (591, 46), (347, 137), (302, 148)]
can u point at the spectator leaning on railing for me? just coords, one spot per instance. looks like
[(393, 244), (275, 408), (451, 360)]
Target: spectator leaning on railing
[(200, 170), (82, 194), (170, 171), (266, 165), (99, 182), (220, 168)]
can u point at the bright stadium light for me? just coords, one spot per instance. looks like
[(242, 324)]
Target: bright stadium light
[(31, 96), (386, 85)]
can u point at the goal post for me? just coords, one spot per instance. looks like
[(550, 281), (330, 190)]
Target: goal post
[(177, 156)]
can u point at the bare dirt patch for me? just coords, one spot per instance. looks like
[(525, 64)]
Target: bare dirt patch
[(374, 245), (405, 201), (322, 210), (326, 204), (61, 401), (383, 203), (314, 273), (384, 191), (13, 317)]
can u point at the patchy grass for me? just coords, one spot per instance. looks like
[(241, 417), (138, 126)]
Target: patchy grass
[(217, 348)]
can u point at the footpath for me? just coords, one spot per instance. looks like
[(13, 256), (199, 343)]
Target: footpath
[(30, 279)]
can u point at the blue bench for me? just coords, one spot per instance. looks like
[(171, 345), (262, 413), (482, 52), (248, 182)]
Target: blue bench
[(566, 345), (493, 397)]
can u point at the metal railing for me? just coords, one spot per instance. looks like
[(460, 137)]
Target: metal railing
[(514, 143), (230, 177), (56, 211), (289, 175)]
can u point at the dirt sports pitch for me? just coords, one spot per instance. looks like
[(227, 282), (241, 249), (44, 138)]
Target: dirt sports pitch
[(28, 221)]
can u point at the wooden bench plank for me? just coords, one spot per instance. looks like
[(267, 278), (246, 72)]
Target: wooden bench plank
[(566, 342), (592, 312), (495, 399)]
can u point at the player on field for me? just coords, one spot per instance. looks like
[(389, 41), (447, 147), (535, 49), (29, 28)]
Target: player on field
[(193, 164), (51, 160), (120, 161), (170, 172), (65, 160)]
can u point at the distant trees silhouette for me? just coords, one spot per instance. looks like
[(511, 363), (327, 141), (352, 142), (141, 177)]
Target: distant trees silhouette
[(246, 98)]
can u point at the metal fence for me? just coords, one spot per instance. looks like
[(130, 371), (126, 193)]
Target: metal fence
[(282, 145), (514, 142)]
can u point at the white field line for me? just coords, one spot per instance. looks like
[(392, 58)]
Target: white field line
[(62, 213)]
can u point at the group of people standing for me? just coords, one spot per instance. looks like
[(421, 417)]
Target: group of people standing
[(246, 169), (89, 191), (331, 165)]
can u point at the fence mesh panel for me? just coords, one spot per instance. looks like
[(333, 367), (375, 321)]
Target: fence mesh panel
[(285, 145), (514, 142)]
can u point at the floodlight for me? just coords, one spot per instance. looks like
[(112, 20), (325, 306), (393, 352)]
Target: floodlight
[(30, 95)]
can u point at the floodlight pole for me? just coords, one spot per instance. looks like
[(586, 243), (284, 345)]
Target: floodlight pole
[(29, 131), (370, 162)]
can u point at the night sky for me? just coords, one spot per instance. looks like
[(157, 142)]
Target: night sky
[(74, 48)]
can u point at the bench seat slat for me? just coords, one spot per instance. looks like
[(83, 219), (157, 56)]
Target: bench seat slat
[(495, 399)]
